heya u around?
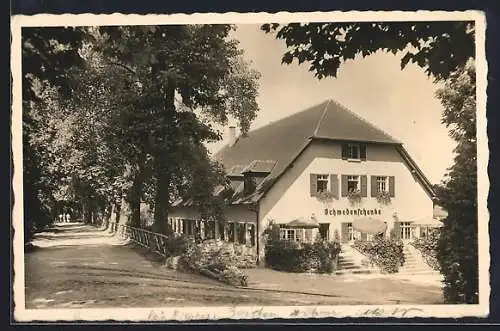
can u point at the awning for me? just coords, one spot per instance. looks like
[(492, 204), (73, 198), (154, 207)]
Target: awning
[(428, 221), (439, 212), (302, 222), (369, 225)]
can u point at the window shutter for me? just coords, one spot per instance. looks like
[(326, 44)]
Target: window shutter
[(373, 186), (344, 151), (313, 185), (362, 152), (334, 185), (364, 192), (344, 185), (392, 184)]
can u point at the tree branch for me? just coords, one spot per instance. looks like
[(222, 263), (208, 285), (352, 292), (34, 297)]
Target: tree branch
[(122, 66)]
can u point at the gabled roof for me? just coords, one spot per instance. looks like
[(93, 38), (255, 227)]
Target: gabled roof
[(280, 140), (274, 147)]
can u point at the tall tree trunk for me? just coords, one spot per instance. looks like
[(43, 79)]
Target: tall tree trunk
[(118, 210), (164, 151), (134, 198), (162, 203), (87, 211)]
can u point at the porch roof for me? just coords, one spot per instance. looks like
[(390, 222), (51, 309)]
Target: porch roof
[(427, 221), (302, 222), (369, 225)]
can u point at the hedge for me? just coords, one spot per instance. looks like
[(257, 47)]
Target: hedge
[(428, 246), (320, 256), (215, 261), (385, 253)]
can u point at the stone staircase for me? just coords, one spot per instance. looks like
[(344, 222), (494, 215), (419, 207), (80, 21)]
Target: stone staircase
[(351, 261), (414, 265)]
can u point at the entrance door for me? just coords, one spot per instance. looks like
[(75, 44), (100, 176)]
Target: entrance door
[(347, 232), (324, 231), (405, 231)]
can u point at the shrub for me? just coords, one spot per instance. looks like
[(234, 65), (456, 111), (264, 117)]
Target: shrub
[(428, 246), (320, 256), (387, 254), (178, 245), (233, 276), (213, 259)]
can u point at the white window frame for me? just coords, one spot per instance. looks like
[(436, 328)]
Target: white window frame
[(322, 178), (291, 234), (352, 147), (350, 231), (354, 178), (406, 232), (382, 184)]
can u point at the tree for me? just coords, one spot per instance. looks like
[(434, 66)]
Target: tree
[(458, 245), (203, 66), (438, 47), (445, 50), (46, 54)]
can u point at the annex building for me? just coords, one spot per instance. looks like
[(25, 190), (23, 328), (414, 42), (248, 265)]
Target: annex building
[(325, 172)]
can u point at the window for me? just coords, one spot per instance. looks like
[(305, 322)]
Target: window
[(251, 234), (352, 183), (308, 235), (382, 184), (230, 232), (324, 229), (209, 229), (291, 234), (350, 232), (353, 152), (241, 233), (283, 234), (406, 230), (321, 183), (221, 230)]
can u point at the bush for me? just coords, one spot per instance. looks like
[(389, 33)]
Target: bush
[(387, 254), (428, 246), (178, 245), (291, 256), (213, 259)]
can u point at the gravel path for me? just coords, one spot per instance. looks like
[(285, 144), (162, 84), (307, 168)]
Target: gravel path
[(75, 265)]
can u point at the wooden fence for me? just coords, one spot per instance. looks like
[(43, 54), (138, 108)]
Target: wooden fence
[(157, 242)]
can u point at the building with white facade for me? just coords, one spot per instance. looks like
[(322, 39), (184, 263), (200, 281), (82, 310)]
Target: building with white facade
[(320, 172)]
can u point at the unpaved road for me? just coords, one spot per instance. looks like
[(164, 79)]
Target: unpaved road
[(76, 265)]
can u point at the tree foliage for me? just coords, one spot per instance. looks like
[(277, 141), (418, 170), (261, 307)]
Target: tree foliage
[(445, 50), (46, 55), (126, 119), (201, 65), (438, 47), (458, 245)]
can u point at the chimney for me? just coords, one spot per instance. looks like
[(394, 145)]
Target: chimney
[(231, 135)]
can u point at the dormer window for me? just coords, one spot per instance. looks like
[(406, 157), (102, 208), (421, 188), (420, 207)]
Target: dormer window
[(354, 152)]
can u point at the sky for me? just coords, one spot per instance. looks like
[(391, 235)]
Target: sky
[(400, 102)]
